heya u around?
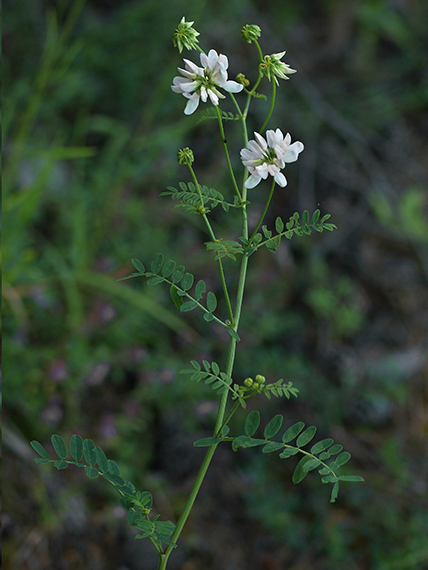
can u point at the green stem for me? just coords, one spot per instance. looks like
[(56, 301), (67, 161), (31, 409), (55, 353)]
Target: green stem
[(213, 237), (272, 104), (221, 409), (264, 212), (226, 152)]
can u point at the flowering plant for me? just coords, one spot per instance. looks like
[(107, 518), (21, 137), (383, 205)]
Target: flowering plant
[(261, 157)]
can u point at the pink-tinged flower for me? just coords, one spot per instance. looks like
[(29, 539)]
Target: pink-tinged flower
[(203, 82), (263, 157)]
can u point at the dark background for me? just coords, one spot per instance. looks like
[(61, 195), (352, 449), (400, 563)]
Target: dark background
[(91, 131)]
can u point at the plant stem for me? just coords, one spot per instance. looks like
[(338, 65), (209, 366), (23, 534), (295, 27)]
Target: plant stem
[(264, 212), (272, 104), (226, 152), (163, 558), (213, 237)]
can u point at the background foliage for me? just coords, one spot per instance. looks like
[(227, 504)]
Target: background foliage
[(91, 130)]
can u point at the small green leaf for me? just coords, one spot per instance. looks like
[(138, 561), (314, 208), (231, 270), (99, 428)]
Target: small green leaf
[(91, 472), (325, 218), (245, 441), (101, 460), (215, 368), (342, 458), (312, 464), (157, 264), (306, 436), (252, 422), (354, 478), (59, 446), (39, 449), (168, 268), (200, 289), (188, 306), (187, 281), (300, 471), (288, 452), (138, 266), (233, 334), (113, 467), (155, 280), (40, 460), (329, 479), (279, 225), (60, 464), (272, 446), (178, 274), (321, 446), (334, 492), (315, 216), (293, 432), (273, 426), (267, 233), (76, 447), (211, 302), (335, 449), (176, 298), (115, 480), (207, 441), (89, 452), (208, 317)]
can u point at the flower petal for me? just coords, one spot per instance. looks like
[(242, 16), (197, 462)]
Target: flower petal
[(232, 86), (261, 142), (192, 104), (252, 181), (280, 179), (293, 152)]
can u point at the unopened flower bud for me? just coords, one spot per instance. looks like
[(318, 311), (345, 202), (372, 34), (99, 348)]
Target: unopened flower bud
[(185, 156), (250, 32), (260, 379), (272, 67), (185, 36), (248, 382), (240, 78)]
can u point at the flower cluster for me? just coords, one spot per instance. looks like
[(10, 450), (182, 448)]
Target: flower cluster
[(263, 157), (272, 67), (203, 82), (185, 36), (250, 32)]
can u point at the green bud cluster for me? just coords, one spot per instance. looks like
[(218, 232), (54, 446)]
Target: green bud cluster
[(185, 156), (272, 67), (185, 36), (250, 32), (240, 78)]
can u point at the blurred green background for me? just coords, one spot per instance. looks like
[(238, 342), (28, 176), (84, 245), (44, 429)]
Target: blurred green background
[(91, 130)]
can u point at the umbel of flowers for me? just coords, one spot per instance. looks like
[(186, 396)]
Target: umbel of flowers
[(203, 82), (263, 157)]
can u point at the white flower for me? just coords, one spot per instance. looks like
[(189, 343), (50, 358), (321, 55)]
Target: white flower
[(203, 82), (263, 157)]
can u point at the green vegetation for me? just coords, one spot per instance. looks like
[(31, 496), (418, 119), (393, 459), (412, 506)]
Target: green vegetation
[(91, 132)]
